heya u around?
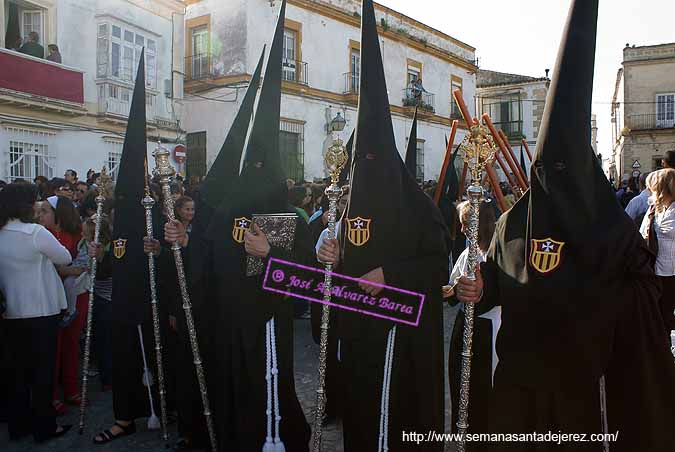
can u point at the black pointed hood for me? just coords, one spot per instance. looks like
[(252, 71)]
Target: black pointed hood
[(263, 145), (225, 168), (130, 271), (261, 184), (569, 190), (411, 152), (378, 173)]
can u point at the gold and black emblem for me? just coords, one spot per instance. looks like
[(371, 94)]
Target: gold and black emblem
[(358, 230), (546, 255), (240, 226), (120, 248)]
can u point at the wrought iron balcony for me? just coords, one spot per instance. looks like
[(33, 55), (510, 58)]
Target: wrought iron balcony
[(295, 71), (352, 83), (197, 67), (512, 129), (650, 121), (413, 97)]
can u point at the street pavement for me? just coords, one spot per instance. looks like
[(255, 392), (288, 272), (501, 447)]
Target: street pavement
[(99, 415)]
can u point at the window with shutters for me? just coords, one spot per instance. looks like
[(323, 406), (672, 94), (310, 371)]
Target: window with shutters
[(118, 51)]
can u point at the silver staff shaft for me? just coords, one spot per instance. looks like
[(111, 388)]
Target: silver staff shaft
[(148, 204), (100, 199), (333, 192), (165, 171), (475, 197), (479, 150)]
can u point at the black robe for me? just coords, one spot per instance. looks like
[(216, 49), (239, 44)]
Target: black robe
[(417, 388), (179, 357), (241, 310), (130, 396), (553, 348)]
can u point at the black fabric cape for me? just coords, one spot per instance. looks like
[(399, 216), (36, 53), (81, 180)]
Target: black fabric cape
[(551, 358), (408, 240), (243, 308), (199, 268)]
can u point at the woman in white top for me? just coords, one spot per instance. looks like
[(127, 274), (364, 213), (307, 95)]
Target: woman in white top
[(35, 298), (486, 326), (659, 224)]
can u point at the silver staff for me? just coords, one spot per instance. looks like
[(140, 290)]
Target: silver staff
[(104, 183), (335, 161), (148, 203), (164, 170), (478, 150)]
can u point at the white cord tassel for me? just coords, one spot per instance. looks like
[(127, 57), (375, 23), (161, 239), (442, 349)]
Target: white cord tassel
[(383, 445), (269, 444), (278, 444), (273, 442), (153, 420)]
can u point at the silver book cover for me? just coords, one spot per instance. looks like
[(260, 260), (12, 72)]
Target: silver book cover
[(280, 232)]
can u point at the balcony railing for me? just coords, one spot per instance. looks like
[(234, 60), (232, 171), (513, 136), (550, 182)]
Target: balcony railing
[(650, 121), (512, 129), (197, 67), (115, 100), (30, 76), (295, 71), (352, 83), (416, 98)]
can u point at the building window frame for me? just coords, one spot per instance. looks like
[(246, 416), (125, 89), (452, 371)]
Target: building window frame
[(455, 83), (292, 61), (353, 82), (419, 149), (665, 110), (193, 27), (29, 153), (293, 163), (114, 156), (118, 51)]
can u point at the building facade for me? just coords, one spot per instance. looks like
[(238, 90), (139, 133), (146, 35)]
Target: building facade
[(57, 116), (643, 110), (321, 77), (516, 105)]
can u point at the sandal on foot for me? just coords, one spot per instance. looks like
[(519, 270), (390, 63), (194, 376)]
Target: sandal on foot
[(107, 436)]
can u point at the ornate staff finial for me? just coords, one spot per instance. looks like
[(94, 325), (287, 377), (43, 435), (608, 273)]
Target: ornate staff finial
[(478, 149)]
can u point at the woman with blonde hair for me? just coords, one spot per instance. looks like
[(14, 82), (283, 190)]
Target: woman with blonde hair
[(658, 228)]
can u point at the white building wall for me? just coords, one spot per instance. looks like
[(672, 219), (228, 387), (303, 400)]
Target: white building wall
[(325, 48), (81, 142)]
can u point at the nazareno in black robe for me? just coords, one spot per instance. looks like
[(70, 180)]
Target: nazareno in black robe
[(553, 346), (240, 310), (417, 383)]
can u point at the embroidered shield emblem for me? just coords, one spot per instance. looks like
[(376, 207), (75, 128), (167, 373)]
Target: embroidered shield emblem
[(358, 230), (546, 254), (240, 226), (119, 248)]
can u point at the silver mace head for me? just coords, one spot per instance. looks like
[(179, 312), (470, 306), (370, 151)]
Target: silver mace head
[(147, 200), (163, 168)]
